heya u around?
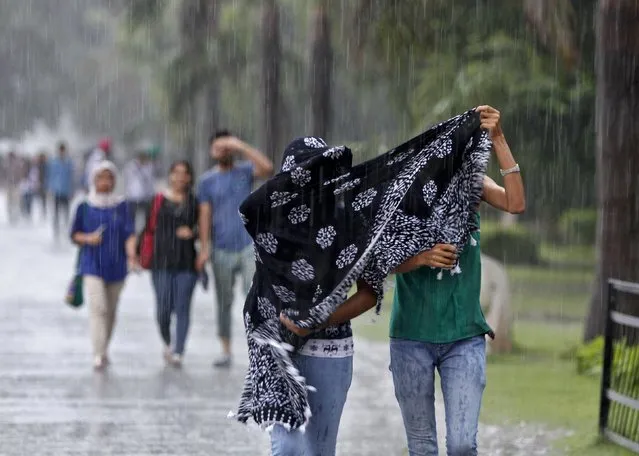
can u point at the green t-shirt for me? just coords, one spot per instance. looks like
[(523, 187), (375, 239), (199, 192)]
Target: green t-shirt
[(440, 310)]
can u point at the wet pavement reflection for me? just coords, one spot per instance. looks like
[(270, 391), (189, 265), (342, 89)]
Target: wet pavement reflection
[(53, 403)]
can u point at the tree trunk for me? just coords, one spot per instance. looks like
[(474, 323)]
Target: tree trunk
[(197, 33), (271, 58), (321, 72), (617, 120), (212, 117), (211, 87)]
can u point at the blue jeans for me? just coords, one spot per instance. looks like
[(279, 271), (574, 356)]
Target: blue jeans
[(226, 265), (173, 292), (332, 379), (462, 369)]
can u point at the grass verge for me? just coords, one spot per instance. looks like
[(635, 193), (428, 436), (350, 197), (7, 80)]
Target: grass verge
[(538, 383)]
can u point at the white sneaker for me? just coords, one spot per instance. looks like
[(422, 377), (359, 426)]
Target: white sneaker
[(223, 361), (167, 354), (99, 362), (176, 360)]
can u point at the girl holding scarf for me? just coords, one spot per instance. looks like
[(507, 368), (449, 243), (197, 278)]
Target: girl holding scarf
[(437, 325), (103, 229), (320, 226), (422, 326)]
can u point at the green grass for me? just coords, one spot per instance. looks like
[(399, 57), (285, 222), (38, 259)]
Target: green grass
[(570, 254), (550, 293), (539, 384)]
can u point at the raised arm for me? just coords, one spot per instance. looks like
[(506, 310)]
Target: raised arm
[(204, 234), (263, 165), (511, 197)]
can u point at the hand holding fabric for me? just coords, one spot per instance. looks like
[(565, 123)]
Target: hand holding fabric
[(440, 256), (94, 238), (490, 118)]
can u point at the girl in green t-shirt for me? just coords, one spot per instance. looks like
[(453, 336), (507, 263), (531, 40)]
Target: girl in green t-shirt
[(437, 324)]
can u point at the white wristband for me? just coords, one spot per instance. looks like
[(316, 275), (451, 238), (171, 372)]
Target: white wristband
[(514, 169)]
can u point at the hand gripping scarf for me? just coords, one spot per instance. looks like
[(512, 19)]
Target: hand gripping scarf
[(321, 224)]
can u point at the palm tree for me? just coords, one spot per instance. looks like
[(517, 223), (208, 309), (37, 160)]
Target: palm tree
[(320, 68), (272, 99), (190, 81), (617, 154), (200, 86)]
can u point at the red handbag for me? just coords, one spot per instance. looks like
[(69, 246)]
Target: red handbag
[(148, 235)]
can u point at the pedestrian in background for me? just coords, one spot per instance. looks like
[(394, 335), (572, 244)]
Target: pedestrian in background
[(103, 228), (13, 170), (140, 185), (174, 266), (60, 185), (221, 191), (41, 191), (28, 186)]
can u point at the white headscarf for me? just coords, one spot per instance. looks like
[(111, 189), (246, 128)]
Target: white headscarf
[(103, 199)]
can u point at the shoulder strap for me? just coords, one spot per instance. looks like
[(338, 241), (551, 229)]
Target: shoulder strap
[(155, 208)]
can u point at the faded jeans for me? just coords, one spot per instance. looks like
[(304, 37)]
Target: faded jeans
[(462, 370), (226, 266), (332, 379), (173, 292)]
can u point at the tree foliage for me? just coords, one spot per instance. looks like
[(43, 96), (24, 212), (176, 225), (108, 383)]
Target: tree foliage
[(524, 58)]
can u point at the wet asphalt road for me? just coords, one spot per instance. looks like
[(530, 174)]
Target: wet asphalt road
[(52, 403)]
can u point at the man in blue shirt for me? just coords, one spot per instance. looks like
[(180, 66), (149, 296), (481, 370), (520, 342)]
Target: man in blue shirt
[(221, 191), (60, 185)]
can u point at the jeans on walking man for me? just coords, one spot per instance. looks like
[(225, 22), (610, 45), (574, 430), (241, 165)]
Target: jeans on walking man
[(60, 184), (221, 191)]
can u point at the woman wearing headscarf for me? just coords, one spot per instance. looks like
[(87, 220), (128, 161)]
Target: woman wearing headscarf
[(103, 229)]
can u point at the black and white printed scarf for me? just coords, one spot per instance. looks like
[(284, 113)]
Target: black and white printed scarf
[(321, 224)]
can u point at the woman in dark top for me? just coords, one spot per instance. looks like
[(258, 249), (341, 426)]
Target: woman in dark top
[(173, 268)]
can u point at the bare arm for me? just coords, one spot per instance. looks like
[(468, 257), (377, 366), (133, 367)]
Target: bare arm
[(440, 256), (263, 165), (131, 247), (511, 197), (363, 300), (409, 265), (500, 198), (204, 235), (204, 226), (80, 238)]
